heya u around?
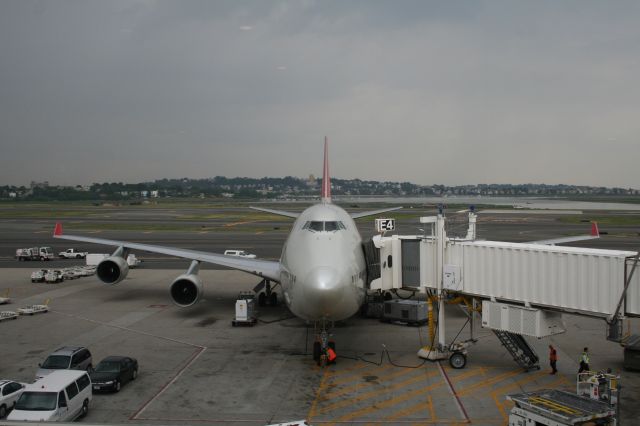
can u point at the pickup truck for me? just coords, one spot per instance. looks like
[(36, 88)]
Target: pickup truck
[(73, 254), (239, 253)]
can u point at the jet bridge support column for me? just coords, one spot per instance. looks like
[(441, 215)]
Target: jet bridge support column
[(440, 243)]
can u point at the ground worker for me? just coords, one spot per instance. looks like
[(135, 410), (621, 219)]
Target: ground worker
[(584, 361), (553, 358), (331, 356)]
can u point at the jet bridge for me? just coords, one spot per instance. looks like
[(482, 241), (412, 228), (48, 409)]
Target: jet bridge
[(524, 287)]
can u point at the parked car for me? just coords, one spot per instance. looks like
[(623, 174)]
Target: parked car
[(66, 358), (239, 253), (62, 396), (38, 276), (10, 391), (113, 372), (53, 276)]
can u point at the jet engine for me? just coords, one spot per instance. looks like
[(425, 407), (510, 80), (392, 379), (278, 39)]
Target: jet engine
[(112, 270), (186, 290)]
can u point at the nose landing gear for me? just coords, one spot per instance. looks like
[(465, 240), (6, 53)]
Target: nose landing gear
[(322, 344)]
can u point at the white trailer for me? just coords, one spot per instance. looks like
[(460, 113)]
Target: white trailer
[(93, 259)]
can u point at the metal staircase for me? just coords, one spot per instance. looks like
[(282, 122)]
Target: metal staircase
[(522, 353)]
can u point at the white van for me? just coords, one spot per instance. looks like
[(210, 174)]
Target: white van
[(63, 395)]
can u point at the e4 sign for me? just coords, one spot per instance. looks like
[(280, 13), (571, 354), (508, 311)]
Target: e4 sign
[(384, 225)]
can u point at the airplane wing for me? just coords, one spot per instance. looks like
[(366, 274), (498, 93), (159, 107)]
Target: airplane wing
[(372, 212), (276, 212), (263, 268), (595, 233)]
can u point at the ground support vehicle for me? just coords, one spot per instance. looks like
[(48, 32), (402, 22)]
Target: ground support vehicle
[(245, 310), (38, 276), (33, 309), (73, 254), (54, 276), (7, 315), (554, 407), (34, 253)]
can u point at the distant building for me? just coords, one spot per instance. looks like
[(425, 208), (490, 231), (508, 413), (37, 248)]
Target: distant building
[(41, 185)]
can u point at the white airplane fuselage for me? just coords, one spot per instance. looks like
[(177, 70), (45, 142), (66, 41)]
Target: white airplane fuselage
[(323, 271)]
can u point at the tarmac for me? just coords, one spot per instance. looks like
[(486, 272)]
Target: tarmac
[(196, 368)]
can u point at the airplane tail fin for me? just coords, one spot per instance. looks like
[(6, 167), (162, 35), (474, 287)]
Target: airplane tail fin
[(595, 232), (326, 180)]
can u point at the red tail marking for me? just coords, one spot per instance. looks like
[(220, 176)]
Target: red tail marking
[(58, 230), (594, 229), (326, 180)]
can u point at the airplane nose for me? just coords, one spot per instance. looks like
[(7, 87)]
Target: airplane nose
[(324, 290)]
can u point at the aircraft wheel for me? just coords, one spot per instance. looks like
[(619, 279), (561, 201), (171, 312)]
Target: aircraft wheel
[(387, 296), (273, 299), (458, 360), (316, 351), (262, 299)]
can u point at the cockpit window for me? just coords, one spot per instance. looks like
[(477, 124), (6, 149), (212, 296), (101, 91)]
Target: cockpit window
[(331, 226), (317, 226)]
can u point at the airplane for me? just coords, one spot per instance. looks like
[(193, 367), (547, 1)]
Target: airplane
[(322, 268), (595, 233)]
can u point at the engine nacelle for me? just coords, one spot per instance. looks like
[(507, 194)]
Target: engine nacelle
[(112, 270), (186, 290)]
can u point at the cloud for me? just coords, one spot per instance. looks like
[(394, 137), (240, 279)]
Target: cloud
[(464, 92)]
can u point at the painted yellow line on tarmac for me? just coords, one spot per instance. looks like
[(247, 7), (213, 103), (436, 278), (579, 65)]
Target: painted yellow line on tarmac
[(312, 410), (94, 232), (429, 404), (372, 394), (147, 232), (359, 385), (400, 398), (352, 373), (259, 232), (358, 366), (501, 401), (491, 381), (518, 383)]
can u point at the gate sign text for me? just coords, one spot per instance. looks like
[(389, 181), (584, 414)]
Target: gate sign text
[(384, 225)]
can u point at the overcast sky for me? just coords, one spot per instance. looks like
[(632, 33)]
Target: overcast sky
[(451, 92)]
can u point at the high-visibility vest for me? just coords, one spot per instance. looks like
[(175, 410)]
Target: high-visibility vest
[(331, 354), (585, 357)]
